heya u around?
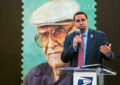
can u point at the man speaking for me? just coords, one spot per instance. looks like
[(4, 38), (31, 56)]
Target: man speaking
[(89, 47)]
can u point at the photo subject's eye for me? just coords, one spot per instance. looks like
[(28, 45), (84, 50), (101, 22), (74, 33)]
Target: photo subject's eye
[(45, 34)]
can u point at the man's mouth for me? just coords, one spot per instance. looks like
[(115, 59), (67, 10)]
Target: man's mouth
[(54, 53), (82, 29), (82, 26)]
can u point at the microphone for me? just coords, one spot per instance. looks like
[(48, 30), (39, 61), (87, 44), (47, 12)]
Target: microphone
[(78, 33)]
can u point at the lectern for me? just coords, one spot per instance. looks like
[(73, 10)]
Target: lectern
[(89, 74)]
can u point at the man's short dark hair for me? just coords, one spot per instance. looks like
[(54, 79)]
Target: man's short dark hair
[(78, 13)]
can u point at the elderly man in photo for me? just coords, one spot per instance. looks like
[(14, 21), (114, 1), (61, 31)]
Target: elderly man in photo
[(54, 20)]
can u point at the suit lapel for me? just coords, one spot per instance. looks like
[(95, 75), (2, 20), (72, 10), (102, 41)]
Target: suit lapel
[(89, 41)]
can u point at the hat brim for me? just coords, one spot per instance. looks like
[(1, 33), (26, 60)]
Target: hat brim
[(45, 24)]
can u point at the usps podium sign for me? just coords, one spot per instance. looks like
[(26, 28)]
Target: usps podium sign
[(84, 78)]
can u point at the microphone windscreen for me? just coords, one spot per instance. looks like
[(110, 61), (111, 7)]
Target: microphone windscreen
[(78, 31)]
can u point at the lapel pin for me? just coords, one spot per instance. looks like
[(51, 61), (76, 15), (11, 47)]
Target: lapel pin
[(91, 36)]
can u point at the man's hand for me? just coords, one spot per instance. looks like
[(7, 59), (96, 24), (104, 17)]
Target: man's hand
[(105, 49), (76, 40)]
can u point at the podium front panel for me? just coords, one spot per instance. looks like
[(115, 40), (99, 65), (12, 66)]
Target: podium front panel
[(84, 78)]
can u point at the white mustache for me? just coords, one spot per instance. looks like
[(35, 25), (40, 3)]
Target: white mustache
[(51, 51)]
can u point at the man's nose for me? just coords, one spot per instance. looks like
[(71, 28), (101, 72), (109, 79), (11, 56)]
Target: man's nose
[(80, 22), (51, 43)]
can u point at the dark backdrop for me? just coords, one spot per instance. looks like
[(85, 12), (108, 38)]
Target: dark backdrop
[(108, 16)]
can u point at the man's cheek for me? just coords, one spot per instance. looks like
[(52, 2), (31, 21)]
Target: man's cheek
[(45, 51)]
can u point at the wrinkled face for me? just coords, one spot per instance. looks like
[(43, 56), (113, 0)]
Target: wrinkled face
[(52, 38), (81, 22)]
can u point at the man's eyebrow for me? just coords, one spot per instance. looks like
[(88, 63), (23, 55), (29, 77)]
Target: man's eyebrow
[(43, 32), (83, 18), (60, 27)]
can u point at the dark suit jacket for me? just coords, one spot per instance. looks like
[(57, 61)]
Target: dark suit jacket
[(93, 54)]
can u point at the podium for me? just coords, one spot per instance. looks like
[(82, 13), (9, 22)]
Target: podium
[(88, 74)]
